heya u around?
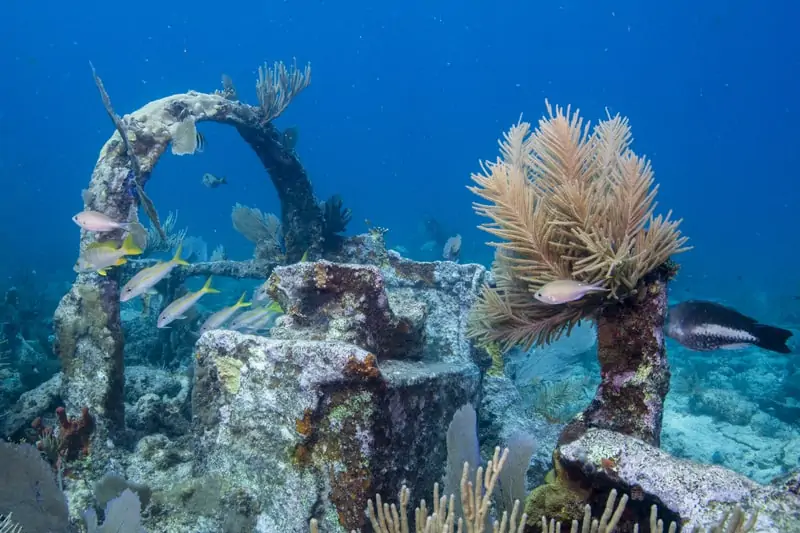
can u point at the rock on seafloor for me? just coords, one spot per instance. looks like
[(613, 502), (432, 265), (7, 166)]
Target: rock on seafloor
[(693, 494), (316, 428), (36, 402)]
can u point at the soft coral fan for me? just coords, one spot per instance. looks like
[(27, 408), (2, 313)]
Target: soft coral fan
[(566, 202)]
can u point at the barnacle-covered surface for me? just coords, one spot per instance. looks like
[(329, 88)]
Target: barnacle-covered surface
[(346, 302), (333, 408)]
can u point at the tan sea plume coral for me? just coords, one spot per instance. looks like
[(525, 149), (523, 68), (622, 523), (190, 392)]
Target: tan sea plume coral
[(566, 202)]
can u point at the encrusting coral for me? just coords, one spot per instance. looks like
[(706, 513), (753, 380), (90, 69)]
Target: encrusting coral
[(567, 202)]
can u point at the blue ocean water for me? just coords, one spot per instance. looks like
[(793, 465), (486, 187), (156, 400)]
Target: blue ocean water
[(404, 102), (405, 99)]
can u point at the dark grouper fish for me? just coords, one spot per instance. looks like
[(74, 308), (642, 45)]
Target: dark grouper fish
[(706, 326)]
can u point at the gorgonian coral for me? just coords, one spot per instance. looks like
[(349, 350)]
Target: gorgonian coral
[(566, 202)]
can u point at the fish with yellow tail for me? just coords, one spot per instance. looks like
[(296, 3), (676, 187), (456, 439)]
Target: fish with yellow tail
[(146, 279), (100, 256), (265, 321), (218, 319), (176, 309), (246, 319), (562, 291)]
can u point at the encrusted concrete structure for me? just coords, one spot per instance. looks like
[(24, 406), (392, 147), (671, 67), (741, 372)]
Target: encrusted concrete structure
[(316, 428), (689, 493)]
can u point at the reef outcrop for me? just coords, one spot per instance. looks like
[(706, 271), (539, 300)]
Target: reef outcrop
[(633, 367), (361, 408), (689, 493)]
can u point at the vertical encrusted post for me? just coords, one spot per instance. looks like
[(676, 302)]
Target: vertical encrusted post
[(633, 366), (90, 345)]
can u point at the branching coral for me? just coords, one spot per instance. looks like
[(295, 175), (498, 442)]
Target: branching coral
[(335, 218), (7, 526), (735, 521), (277, 86), (566, 202), (476, 502)]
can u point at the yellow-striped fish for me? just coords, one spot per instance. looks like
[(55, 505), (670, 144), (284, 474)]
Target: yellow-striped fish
[(146, 279), (248, 318), (261, 323), (100, 256), (176, 309), (219, 318)]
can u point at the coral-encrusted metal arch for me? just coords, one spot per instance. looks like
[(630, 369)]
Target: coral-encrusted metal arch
[(89, 338)]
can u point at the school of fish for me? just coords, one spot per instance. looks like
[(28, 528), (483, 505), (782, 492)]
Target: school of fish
[(100, 256), (699, 326)]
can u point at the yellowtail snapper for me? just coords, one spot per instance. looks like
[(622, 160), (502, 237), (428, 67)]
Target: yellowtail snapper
[(176, 309), (100, 256), (218, 319), (248, 318), (147, 278)]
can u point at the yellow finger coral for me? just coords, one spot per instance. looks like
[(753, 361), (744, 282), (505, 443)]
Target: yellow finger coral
[(566, 202)]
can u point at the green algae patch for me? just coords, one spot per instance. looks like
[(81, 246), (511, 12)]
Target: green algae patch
[(229, 371), (557, 498)]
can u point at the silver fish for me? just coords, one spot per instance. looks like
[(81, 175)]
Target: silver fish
[(248, 318), (100, 256), (178, 308), (219, 318), (98, 222), (565, 290), (147, 278)]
